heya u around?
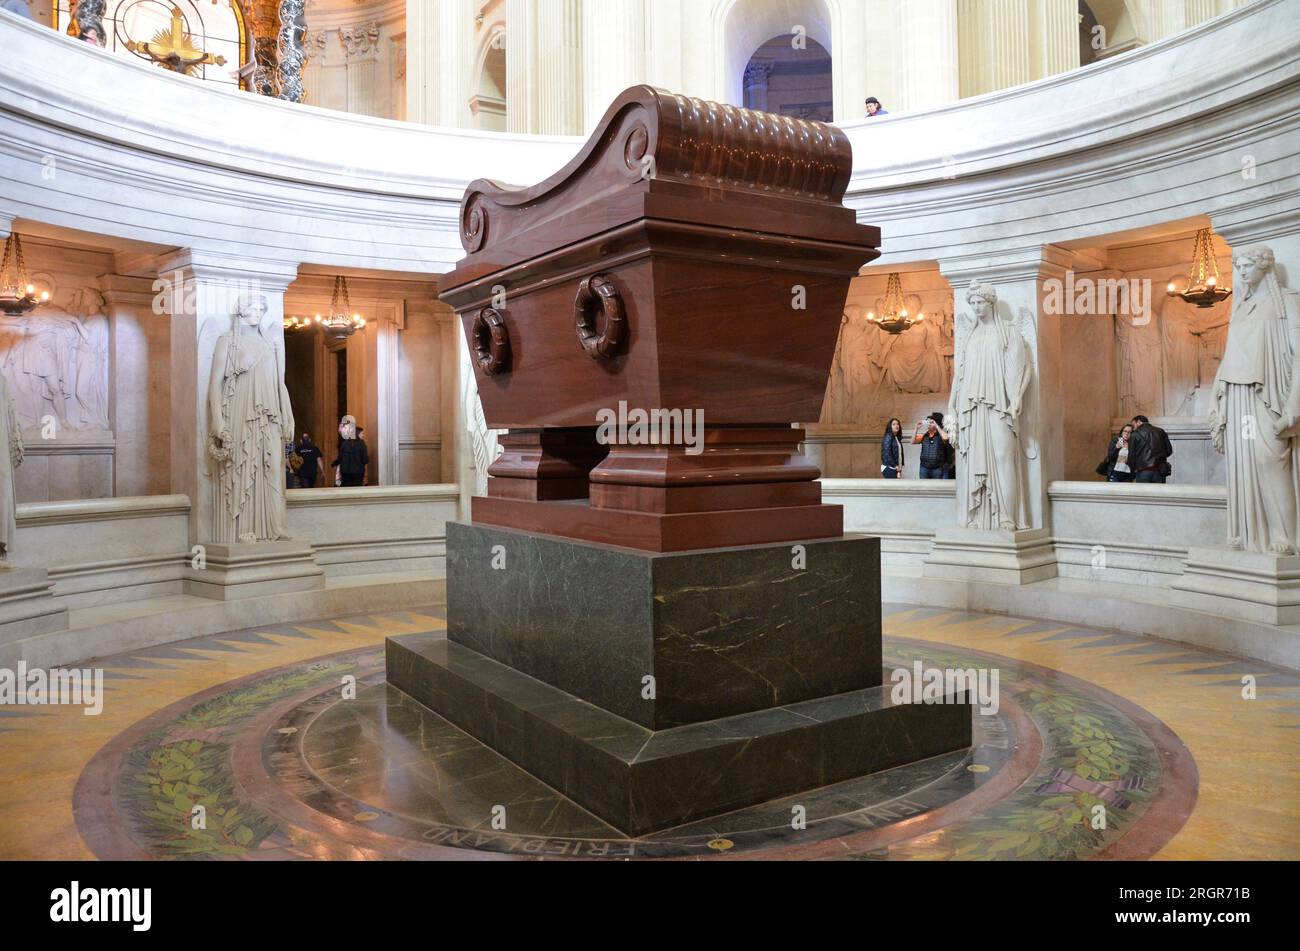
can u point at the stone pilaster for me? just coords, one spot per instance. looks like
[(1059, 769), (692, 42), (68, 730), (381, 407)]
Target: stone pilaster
[(455, 58), (994, 41), (613, 53), (559, 67), (1053, 37), (138, 383), (927, 38), (521, 65)]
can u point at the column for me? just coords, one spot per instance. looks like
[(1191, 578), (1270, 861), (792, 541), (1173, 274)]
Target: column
[(994, 45), (559, 67), (521, 65), (1165, 18), (290, 56), (455, 58), (199, 291), (613, 53), (927, 39), (756, 79), (1024, 554), (439, 53), (1054, 37), (361, 47), (421, 61)]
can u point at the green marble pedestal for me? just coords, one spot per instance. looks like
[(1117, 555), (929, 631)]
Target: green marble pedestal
[(654, 689)]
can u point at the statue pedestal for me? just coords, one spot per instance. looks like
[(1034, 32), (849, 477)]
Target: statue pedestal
[(251, 569), (1251, 585), (27, 604), (654, 689), (967, 554)]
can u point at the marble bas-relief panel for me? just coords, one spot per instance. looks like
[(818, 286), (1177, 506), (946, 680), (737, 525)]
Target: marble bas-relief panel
[(877, 375), (55, 360)]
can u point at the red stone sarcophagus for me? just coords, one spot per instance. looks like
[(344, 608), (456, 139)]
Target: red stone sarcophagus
[(687, 269)]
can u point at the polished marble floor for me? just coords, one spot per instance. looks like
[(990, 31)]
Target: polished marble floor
[(295, 747)]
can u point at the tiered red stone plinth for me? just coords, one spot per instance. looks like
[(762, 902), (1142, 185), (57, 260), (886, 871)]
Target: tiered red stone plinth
[(746, 485), (692, 258)]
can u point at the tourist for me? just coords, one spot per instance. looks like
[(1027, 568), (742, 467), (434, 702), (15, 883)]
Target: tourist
[(874, 108), (94, 35), (934, 447), (313, 462), (353, 461), (1116, 467), (1149, 451), (891, 450)]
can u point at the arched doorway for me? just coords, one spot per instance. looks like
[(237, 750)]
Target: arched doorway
[(790, 75), (488, 103), (742, 27)]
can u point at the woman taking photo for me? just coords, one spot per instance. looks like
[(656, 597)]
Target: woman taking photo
[(1116, 467), (891, 450)]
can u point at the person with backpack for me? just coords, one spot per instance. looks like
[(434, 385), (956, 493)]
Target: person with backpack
[(353, 461)]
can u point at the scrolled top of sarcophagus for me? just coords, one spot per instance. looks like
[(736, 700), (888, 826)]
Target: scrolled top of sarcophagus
[(692, 254)]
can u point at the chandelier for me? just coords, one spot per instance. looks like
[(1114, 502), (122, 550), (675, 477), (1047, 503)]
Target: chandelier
[(17, 294), (1202, 288), (297, 323), (341, 323), (895, 316)]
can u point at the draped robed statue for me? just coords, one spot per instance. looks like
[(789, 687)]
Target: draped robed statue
[(250, 422), (11, 457), (995, 364), (1255, 418)]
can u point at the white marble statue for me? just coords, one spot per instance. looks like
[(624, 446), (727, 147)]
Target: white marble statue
[(11, 457), (1255, 417), (994, 368), (56, 363), (250, 420)]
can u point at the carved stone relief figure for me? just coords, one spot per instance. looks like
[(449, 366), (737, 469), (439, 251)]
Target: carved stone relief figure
[(994, 369), (1139, 367), (1192, 341), (914, 359), (56, 363), (857, 372), (250, 420), (1255, 418), (11, 457)]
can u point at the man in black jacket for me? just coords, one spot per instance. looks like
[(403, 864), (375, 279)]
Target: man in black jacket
[(1149, 451)]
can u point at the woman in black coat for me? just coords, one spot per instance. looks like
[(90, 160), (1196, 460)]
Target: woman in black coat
[(891, 450), (1116, 468)]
